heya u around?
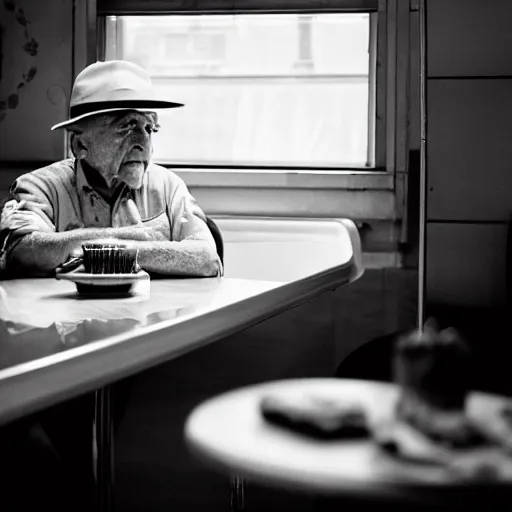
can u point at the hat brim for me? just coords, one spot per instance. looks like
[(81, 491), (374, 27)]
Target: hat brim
[(156, 105)]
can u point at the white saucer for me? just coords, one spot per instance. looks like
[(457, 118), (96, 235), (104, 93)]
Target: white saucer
[(102, 283)]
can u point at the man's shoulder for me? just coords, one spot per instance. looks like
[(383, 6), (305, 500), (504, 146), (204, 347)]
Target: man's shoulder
[(63, 170)]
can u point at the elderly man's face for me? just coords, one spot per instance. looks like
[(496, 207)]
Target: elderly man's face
[(118, 145)]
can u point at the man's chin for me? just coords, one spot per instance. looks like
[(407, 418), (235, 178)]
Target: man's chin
[(132, 175), (133, 184)]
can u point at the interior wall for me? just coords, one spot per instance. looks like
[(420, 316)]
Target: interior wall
[(469, 150), (35, 77)]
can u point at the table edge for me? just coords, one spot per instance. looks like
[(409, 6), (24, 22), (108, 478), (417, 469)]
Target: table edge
[(27, 392)]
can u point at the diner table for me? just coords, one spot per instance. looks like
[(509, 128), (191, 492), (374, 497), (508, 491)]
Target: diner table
[(229, 434), (56, 344)]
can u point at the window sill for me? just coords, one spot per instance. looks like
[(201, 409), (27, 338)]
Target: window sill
[(350, 194), (286, 179)]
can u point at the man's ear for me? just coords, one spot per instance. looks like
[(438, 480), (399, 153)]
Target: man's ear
[(78, 146)]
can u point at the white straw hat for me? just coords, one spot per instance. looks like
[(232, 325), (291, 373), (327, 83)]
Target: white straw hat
[(112, 85)]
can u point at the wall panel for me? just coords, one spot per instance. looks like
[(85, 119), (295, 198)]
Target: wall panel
[(469, 37), (469, 149), (466, 264)]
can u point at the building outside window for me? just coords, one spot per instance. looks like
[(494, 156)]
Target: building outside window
[(261, 90)]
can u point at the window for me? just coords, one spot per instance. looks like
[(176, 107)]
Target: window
[(285, 90), (294, 108)]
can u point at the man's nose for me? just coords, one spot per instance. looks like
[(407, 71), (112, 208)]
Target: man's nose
[(141, 148), (141, 140)]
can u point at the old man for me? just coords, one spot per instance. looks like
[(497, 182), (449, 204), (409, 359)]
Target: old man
[(110, 189)]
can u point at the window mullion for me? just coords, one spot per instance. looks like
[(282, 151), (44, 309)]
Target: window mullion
[(391, 23), (371, 158)]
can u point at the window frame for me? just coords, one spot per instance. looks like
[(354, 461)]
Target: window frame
[(377, 195), (120, 7), (380, 148), (376, 143)]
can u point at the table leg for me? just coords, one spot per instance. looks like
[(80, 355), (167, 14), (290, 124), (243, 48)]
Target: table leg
[(103, 449), (237, 494)]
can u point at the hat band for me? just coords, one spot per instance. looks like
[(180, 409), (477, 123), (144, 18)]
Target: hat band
[(89, 108)]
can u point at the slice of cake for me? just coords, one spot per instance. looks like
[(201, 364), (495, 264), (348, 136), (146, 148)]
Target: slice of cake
[(433, 370), (316, 416)]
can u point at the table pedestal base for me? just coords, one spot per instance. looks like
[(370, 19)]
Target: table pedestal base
[(237, 494), (103, 449)]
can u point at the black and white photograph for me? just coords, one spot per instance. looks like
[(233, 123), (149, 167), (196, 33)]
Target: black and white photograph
[(255, 255)]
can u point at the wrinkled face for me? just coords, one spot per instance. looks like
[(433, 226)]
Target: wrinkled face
[(118, 145)]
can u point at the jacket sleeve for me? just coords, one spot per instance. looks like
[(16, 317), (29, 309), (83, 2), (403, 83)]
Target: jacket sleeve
[(188, 221), (28, 209)]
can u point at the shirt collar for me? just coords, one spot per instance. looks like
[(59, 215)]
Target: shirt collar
[(81, 180), (83, 184)]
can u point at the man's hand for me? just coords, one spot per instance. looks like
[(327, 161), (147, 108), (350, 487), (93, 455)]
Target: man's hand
[(128, 215), (40, 253), (153, 230)]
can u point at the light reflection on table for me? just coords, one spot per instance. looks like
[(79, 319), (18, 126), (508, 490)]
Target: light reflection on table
[(42, 317)]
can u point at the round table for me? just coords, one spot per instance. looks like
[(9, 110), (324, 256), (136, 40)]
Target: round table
[(229, 433)]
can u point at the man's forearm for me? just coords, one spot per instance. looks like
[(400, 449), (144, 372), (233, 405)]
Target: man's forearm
[(39, 253), (187, 258)]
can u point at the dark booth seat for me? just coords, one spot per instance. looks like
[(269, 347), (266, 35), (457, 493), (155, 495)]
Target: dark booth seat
[(486, 330)]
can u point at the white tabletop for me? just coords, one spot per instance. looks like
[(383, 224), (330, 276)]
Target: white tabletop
[(55, 344), (230, 434)]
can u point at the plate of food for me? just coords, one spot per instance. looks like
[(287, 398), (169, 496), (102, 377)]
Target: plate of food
[(428, 429), (433, 423)]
